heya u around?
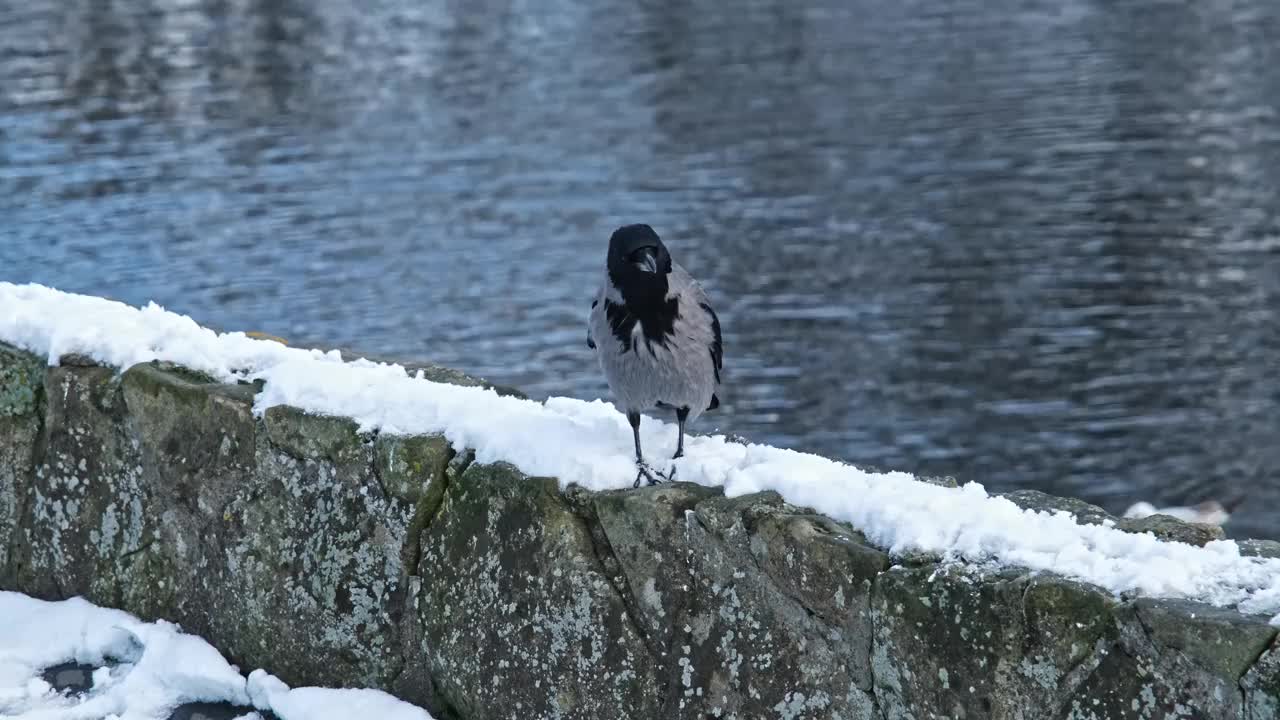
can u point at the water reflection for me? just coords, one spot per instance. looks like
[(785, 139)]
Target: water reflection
[(1030, 242)]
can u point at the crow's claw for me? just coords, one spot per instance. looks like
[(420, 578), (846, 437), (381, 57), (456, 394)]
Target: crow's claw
[(649, 474)]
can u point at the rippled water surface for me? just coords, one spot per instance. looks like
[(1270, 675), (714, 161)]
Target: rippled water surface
[(1033, 243)]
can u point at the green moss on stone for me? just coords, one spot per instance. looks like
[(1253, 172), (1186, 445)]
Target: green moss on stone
[(414, 469), (1262, 686), (408, 465), (940, 636), (1065, 621), (516, 612), (315, 437), (1220, 640), (197, 377), (21, 381), (641, 537), (171, 382)]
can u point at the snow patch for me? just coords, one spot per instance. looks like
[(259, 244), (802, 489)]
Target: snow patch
[(148, 669)]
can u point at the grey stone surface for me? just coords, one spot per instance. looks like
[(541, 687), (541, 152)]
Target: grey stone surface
[(21, 410), (755, 646), (1043, 502), (1174, 660), (518, 616), (1260, 548), (1261, 686), (1169, 528), (333, 557), (955, 643)]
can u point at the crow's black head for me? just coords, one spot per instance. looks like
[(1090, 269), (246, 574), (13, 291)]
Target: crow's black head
[(638, 264)]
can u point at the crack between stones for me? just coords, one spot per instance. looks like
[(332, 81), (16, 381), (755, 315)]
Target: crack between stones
[(1104, 647), (39, 451), (1075, 675), (602, 551), (424, 516), (1146, 629), (1273, 645), (749, 528), (140, 549), (875, 620), (1101, 649), (426, 512)]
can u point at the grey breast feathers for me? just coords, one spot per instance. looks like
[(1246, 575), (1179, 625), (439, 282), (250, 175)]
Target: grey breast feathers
[(680, 368)]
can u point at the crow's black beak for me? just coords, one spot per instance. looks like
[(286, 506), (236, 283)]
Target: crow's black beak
[(645, 259)]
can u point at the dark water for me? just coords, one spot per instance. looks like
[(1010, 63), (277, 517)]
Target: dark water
[(1033, 243)]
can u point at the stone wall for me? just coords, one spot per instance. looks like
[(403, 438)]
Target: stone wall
[(295, 543)]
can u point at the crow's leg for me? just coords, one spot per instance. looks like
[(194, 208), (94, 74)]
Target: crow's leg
[(644, 471), (682, 415)]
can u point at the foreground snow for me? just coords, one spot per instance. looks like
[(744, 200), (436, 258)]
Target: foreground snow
[(145, 670), (589, 443)]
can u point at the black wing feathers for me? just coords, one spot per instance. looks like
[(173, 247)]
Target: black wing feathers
[(717, 351), (592, 343), (717, 346)]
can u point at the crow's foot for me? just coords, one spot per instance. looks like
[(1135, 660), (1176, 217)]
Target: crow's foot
[(649, 474)]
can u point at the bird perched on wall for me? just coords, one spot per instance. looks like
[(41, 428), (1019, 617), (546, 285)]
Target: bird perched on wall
[(655, 335)]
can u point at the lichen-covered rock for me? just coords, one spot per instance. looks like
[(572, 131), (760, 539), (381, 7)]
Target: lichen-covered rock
[(1166, 527), (749, 646), (159, 492), (753, 608), (312, 557), (1174, 659), (21, 380), (200, 439), (642, 541), (297, 543), (939, 638), (518, 616), (304, 435), (1222, 641), (1043, 502), (86, 528), (829, 569), (1066, 627), (1260, 548), (955, 643), (21, 392), (1261, 686), (406, 465), (293, 552)]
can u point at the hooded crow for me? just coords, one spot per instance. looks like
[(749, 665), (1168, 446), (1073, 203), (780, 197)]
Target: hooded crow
[(656, 336)]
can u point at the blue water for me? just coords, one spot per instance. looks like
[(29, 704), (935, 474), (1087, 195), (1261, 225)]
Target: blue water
[(1031, 243)]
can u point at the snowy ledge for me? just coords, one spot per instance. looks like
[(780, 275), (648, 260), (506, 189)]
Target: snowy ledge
[(349, 523), (588, 444)]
